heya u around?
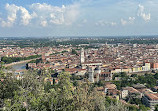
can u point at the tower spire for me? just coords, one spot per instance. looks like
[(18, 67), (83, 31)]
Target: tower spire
[(82, 57)]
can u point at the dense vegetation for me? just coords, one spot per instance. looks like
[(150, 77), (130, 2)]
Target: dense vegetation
[(74, 41), (36, 61), (8, 60), (148, 79), (33, 93), (74, 52)]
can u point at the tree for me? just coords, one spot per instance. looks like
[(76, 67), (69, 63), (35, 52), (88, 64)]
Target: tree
[(156, 76), (88, 99), (64, 90), (32, 93), (135, 101), (74, 52), (156, 107), (114, 105), (143, 108), (134, 75)]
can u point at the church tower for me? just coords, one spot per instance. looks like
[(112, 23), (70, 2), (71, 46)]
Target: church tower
[(82, 57), (97, 72), (91, 74)]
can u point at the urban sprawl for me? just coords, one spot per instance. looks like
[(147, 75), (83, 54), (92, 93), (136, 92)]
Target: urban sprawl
[(109, 63)]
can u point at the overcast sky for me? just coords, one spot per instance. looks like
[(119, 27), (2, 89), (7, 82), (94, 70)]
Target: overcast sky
[(78, 17)]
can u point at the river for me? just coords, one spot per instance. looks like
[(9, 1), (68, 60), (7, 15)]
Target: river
[(19, 66)]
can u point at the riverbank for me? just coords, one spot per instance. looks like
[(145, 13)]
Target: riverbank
[(20, 62)]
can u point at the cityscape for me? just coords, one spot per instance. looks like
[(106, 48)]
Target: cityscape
[(124, 71), (78, 55)]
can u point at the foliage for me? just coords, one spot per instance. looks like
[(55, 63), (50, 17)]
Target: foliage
[(74, 52), (8, 60), (156, 107), (134, 75), (114, 105), (143, 108), (135, 101), (33, 93), (122, 74), (148, 79), (51, 42), (64, 51), (36, 61), (133, 108)]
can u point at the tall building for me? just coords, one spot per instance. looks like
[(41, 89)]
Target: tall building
[(91, 74), (82, 57), (97, 72)]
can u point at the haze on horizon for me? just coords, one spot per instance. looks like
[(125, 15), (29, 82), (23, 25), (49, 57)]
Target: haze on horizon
[(78, 18)]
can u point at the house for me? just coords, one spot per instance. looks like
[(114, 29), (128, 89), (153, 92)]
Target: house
[(110, 90), (139, 87), (76, 71), (134, 93), (154, 66), (146, 66), (106, 76), (124, 93), (136, 69), (150, 99), (155, 88)]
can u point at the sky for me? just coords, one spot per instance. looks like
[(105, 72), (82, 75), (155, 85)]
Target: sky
[(41, 18)]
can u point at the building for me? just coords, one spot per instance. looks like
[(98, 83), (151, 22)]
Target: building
[(133, 93), (95, 64), (110, 90), (139, 87), (154, 66), (124, 93), (146, 66), (82, 57), (136, 69), (106, 76), (94, 74), (91, 74), (97, 72), (150, 99)]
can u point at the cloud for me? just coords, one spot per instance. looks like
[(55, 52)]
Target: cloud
[(12, 11), (95, 12), (45, 14), (113, 23), (101, 23), (104, 23), (56, 15), (123, 22), (129, 21), (25, 16), (142, 14), (72, 13), (53, 14), (43, 23)]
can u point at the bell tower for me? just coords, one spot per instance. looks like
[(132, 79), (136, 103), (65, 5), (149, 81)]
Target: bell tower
[(91, 74), (82, 56)]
